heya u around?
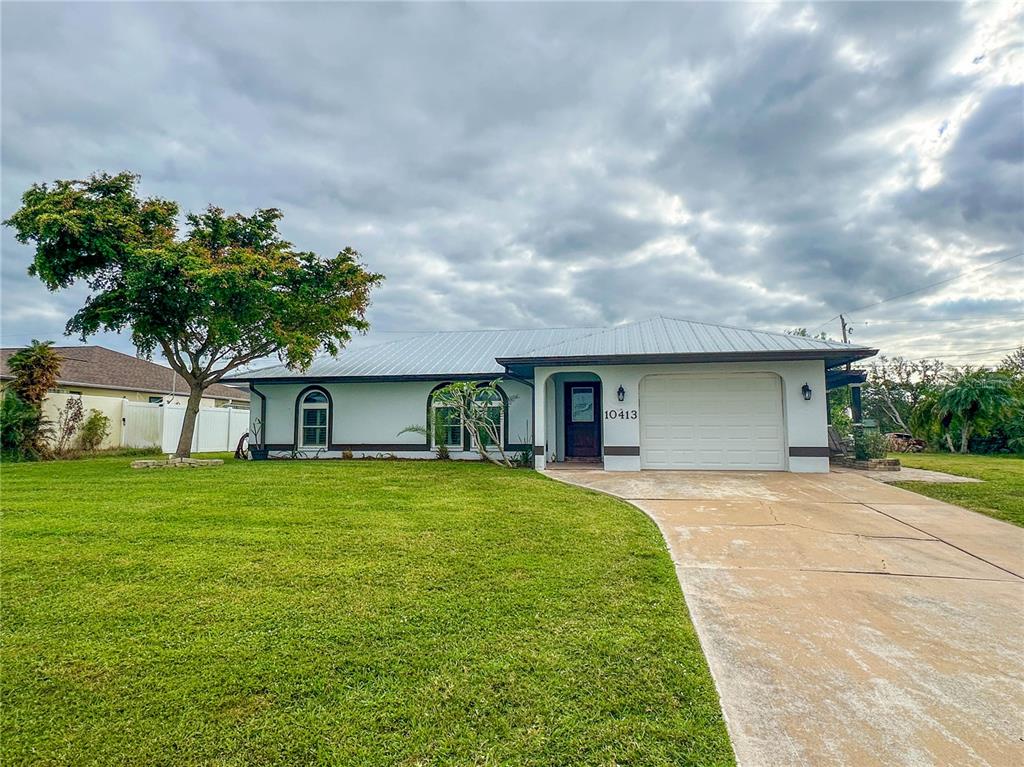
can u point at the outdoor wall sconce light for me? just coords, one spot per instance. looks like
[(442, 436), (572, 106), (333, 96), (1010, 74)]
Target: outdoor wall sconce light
[(806, 390), (622, 394)]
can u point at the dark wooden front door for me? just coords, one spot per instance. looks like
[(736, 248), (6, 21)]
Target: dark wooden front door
[(583, 419)]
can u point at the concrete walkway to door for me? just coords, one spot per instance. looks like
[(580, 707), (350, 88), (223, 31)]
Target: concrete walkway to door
[(846, 622)]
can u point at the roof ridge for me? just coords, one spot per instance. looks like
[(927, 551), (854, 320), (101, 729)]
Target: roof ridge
[(756, 330), (597, 332), (499, 330)]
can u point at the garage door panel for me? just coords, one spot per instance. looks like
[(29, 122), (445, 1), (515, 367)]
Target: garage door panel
[(729, 421)]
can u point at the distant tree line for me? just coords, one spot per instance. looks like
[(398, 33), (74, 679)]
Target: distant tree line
[(959, 409)]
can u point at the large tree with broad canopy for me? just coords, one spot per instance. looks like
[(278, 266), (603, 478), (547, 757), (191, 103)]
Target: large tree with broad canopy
[(226, 292)]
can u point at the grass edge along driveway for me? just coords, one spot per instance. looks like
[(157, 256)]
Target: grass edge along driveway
[(355, 612), (999, 495)]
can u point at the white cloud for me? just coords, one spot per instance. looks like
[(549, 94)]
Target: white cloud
[(761, 165)]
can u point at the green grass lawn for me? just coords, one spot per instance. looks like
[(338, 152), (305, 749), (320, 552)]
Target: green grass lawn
[(360, 612), (1001, 495)]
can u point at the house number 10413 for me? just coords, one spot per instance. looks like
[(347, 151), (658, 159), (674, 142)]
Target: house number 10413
[(626, 415)]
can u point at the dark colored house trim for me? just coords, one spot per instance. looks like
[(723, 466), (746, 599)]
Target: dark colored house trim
[(371, 379), (381, 447), (378, 447), (808, 452), (831, 358), (621, 450), (369, 447), (836, 379), (263, 412)]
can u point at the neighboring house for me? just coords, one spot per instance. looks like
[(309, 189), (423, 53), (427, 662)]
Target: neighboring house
[(128, 391), (658, 394), (99, 372)]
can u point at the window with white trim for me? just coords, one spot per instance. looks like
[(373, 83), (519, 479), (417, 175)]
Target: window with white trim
[(448, 426), (495, 410), (313, 414)]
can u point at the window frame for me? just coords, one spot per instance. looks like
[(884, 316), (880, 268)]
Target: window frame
[(302, 406), (500, 405), (459, 444), (573, 388)]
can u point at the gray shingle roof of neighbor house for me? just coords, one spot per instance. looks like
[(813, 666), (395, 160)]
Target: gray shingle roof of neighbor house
[(490, 352), (103, 368)]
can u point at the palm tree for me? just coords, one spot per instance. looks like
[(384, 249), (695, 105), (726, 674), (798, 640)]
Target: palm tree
[(974, 401), (36, 369)]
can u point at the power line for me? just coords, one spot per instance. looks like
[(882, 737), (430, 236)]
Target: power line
[(966, 354), (919, 290), (972, 320)]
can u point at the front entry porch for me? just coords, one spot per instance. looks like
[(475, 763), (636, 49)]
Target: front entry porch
[(568, 409), (575, 425)]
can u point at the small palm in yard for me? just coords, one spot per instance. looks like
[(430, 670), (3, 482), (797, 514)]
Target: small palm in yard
[(355, 612), (975, 400), (24, 431), (35, 371)]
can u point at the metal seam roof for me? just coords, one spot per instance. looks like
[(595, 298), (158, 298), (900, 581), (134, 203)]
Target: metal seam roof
[(472, 352)]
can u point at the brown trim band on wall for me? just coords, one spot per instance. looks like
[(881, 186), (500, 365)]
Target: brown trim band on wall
[(403, 447), (808, 452), (538, 450), (621, 450), (381, 447)]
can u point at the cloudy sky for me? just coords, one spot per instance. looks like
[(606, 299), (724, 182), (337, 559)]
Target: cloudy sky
[(526, 165)]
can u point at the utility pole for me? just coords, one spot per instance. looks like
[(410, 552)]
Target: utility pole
[(846, 334), (855, 402)]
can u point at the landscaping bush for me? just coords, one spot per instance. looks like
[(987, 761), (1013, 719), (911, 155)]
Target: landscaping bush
[(23, 429), (69, 418), (94, 430), (869, 443), (524, 458)]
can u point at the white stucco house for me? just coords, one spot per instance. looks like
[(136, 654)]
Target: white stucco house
[(662, 393)]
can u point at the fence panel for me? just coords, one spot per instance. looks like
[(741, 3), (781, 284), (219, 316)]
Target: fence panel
[(215, 429), (55, 402), (142, 424)]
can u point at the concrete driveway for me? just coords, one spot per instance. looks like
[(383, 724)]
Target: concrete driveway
[(846, 622)]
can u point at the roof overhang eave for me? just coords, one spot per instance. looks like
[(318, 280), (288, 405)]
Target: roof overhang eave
[(366, 379), (831, 357)]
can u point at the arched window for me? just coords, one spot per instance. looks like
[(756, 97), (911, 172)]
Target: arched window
[(447, 426), (453, 418), (314, 412), (494, 413)]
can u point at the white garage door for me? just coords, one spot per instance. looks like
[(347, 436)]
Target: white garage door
[(729, 421)]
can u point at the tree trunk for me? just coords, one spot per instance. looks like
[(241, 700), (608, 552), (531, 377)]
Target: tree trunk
[(188, 426), (965, 438), (949, 442)]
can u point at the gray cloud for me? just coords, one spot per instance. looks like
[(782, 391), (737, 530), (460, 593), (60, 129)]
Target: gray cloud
[(522, 165)]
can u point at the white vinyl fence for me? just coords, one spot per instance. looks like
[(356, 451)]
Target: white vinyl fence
[(141, 424), (217, 428)]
